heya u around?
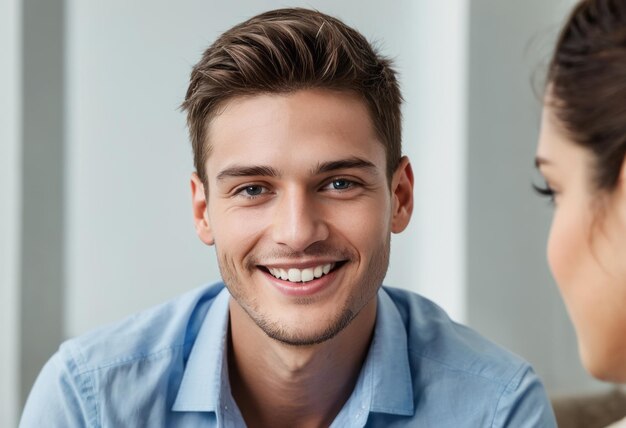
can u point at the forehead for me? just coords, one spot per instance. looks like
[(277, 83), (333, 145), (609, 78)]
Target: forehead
[(306, 124), (553, 139), (560, 157)]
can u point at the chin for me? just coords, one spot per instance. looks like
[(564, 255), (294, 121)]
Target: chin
[(604, 364), (307, 335)]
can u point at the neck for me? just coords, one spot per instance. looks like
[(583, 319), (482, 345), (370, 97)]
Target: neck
[(275, 384)]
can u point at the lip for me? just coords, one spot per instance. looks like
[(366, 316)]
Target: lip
[(301, 289)]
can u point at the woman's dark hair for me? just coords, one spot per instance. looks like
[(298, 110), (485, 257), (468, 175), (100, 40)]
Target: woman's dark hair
[(587, 84)]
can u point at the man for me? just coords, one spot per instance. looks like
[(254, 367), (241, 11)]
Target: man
[(295, 126)]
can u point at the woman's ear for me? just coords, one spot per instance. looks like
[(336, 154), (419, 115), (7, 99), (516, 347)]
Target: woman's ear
[(622, 176), (199, 207), (402, 196), (618, 196)]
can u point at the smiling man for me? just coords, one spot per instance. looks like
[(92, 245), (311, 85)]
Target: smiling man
[(300, 182)]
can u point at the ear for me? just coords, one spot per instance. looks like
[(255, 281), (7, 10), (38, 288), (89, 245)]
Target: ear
[(402, 196), (618, 196), (622, 176), (199, 208)]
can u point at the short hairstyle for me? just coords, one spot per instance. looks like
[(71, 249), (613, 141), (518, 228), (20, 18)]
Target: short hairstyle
[(587, 81), (286, 50)]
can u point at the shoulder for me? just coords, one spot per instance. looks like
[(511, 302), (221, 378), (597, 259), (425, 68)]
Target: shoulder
[(161, 329), (432, 335), (449, 360), (86, 382)]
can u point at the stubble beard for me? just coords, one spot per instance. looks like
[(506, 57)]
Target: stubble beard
[(358, 299)]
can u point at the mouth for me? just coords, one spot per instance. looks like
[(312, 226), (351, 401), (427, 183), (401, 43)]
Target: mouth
[(302, 276)]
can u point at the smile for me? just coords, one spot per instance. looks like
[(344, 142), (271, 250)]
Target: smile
[(301, 275)]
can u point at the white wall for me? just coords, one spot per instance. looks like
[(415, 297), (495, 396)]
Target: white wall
[(435, 116), (9, 208), (131, 242)]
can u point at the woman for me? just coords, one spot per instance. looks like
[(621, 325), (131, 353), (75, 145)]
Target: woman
[(581, 156)]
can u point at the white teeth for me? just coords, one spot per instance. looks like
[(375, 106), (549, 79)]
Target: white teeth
[(301, 275), (307, 275), (295, 275), (318, 271)]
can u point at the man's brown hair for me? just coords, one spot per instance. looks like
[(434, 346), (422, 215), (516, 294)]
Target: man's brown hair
[(286, 50)]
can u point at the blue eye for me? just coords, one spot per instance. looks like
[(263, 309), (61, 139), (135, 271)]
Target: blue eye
[(251, 191), (341, 184)]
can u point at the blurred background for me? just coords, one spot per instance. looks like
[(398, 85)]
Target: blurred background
[(95, 219)]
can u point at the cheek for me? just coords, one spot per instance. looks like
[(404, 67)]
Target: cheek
[(575, 271), (235, 230), (366, 223), (568, 245), (558, 250), (593, 290)]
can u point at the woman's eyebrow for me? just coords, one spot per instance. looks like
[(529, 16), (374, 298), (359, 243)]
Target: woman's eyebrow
[(540, 161)]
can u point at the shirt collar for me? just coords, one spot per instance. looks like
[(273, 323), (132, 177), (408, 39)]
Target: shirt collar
[(205, 379), (384, 384), (385, 381), (387, 362)]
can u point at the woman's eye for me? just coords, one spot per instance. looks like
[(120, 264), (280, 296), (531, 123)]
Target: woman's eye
[(545, 191)]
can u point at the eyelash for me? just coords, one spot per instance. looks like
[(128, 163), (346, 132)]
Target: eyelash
[(545, 191)]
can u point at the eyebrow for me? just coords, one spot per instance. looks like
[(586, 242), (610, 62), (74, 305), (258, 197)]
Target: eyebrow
[(539, 161), (268, 171), (247, 171), (349, 163)]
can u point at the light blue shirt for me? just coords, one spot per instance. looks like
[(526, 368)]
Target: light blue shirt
[(167, 367)]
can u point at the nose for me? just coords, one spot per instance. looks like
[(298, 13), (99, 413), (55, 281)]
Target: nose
[(298, 220)]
